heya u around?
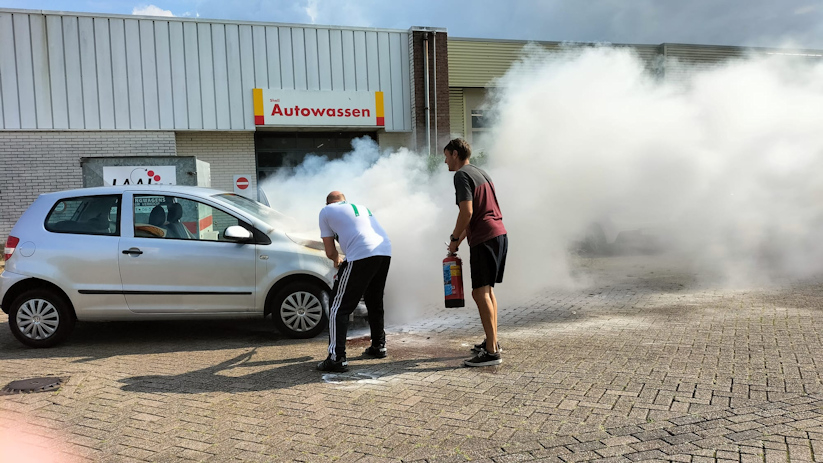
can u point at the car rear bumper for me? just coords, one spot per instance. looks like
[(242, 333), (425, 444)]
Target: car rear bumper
[(7, 280)]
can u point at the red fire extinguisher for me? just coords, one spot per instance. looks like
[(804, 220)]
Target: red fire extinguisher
[(453, 281)]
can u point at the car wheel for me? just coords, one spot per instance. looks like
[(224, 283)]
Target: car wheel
[(40, 318), (297, 310)]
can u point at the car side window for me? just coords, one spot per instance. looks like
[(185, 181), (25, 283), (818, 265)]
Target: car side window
[(172, 217), (86, 215)]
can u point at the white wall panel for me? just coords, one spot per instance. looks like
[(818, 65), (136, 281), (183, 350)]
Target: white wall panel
[(178, 74), (396, 73), (286, 58), (25, 72), (273, 56), (349, 61), (40, 65), (207, 98), (120, 74), (134, 75), (298, 52), (336, 51), (149, 66), (105, 83), (324, 58), (405, 63), (360, 65), (165, 97), (312, 59), (74, 84), (261, 70), (57, 73), (82, 71), (247, 76), (221, 76), (193, 96), (235, 77), (372, 62), (8, 73), (2, 121), (88, 73), (384, 74)]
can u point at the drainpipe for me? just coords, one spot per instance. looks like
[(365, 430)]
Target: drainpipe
[(434, 55), (426, 94)]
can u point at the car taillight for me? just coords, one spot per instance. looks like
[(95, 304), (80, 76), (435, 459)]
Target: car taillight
[(11, 244)]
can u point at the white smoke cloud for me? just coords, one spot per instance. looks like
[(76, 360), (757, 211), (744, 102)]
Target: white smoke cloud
[(405, 198), (722, 165), (150, 10)]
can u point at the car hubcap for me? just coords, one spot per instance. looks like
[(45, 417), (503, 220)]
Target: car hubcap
[(37, 319), (301, 311)]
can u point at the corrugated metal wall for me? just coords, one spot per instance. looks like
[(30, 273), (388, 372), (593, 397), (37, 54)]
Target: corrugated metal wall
[(119, 72), (476, 63), (682, 60), (457, 112)]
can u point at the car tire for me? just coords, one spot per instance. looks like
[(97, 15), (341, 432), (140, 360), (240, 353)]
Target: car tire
[(41, 318), (298, 311)]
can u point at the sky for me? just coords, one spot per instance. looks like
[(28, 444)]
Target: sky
[(757, 23)]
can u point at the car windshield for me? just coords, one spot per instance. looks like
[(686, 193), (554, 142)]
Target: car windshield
[(259, 211)]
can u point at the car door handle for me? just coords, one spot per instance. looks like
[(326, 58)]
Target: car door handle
[(133, 251)]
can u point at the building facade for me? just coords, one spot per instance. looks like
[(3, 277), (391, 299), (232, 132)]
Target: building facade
[(247, 98)]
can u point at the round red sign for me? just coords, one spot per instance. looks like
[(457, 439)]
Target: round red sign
[(242, 183)]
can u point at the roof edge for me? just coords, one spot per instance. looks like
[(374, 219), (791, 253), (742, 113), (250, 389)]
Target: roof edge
[(194, 20)]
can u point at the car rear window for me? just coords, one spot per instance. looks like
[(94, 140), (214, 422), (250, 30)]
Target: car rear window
[(86, 215)]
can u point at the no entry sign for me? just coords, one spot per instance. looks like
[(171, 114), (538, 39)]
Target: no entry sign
[(242, 185)]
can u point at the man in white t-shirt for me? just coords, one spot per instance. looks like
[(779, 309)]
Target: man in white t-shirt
[(361, 275)]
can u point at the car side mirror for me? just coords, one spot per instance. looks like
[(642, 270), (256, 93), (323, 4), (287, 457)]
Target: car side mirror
[(237, 233)]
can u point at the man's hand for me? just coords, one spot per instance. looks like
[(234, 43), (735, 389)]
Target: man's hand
[(337, 261), (453, 246)]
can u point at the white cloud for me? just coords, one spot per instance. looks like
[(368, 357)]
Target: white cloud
[(805, 9), (150, 10), (311, 10)]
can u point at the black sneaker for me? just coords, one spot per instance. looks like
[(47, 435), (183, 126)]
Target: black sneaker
[(482, 346), (484, 359), (338, 366), (376, 352)]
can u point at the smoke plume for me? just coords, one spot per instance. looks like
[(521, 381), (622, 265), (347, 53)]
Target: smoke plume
[(720, 165)]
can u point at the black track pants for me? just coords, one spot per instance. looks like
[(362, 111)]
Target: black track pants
[(364, 278)]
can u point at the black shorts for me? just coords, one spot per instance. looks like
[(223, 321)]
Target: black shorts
[(488, 260)]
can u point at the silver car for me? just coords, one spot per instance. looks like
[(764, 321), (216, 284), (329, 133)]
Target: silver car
[(158, 253)]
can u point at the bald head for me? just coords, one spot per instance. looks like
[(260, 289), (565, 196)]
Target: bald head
[(335, 197)]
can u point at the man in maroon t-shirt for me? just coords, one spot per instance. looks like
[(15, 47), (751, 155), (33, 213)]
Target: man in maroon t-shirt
[(481, 222)]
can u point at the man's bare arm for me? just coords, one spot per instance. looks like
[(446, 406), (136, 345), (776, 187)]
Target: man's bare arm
[(331, 250), (463, 219)]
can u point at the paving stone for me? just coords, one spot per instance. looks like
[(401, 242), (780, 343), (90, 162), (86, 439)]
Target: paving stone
[(653, 366)]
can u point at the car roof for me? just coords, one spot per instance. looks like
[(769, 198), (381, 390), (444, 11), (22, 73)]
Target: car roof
[(103, 190)]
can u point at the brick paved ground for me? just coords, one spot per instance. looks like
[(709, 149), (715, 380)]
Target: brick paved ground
[(644, 364)]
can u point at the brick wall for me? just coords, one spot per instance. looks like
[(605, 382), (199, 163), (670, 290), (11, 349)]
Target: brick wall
[(228, 154), (41, 162), (438, 89)]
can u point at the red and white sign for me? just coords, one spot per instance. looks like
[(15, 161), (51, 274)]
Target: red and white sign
[(242, 185), (139, 175), (300, 108)]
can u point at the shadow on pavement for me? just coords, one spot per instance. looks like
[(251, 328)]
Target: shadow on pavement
[(285, 374), (98, 340)]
